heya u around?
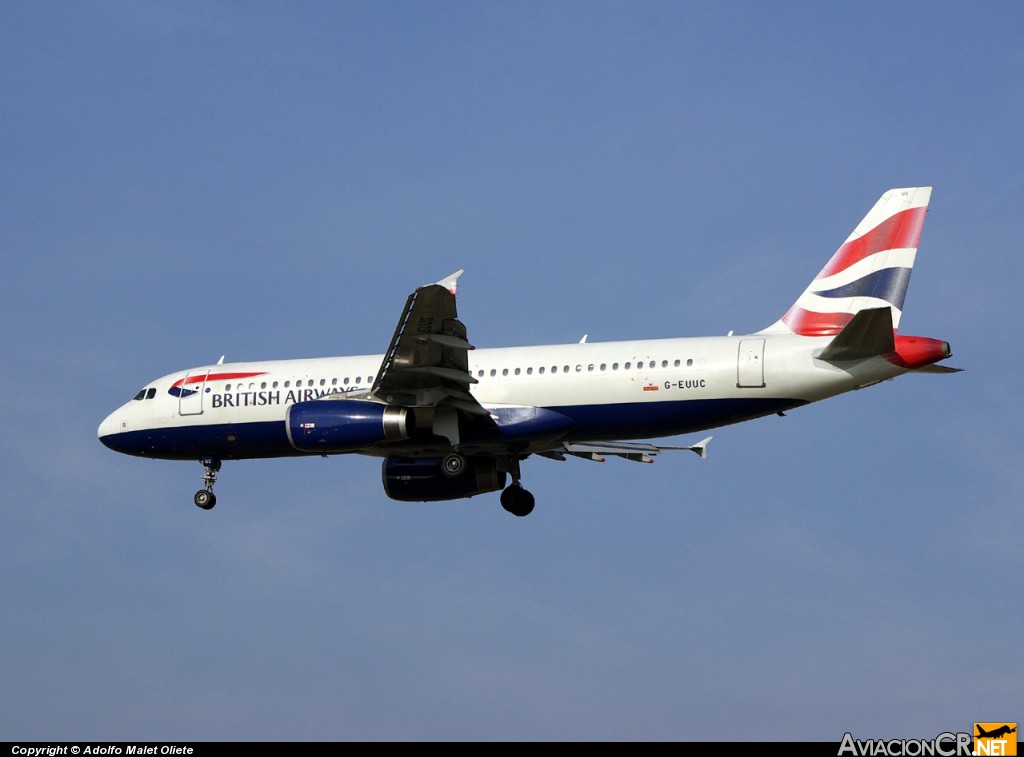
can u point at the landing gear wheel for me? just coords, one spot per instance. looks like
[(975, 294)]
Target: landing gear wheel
[(516, 500), (453, 465), (205, 499)]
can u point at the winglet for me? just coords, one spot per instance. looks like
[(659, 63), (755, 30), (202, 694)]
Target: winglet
[(451, 282), (701, 448)]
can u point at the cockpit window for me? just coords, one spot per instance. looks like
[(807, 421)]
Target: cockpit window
[(141, 395), (151, 393)]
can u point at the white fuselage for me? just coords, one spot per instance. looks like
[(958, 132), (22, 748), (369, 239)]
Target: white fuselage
[(611, 390)]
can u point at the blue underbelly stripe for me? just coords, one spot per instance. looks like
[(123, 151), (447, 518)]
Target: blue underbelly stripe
[(637, 420)]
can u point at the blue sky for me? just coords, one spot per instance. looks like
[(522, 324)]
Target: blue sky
[(266, 180)]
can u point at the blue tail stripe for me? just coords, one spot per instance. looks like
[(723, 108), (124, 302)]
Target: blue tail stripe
[(889, 284)]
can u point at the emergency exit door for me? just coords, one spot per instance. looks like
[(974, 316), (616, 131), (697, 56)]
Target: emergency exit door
[(750, 364)]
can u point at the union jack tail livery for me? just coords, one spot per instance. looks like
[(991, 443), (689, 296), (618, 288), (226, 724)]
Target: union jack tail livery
[(870, 270)]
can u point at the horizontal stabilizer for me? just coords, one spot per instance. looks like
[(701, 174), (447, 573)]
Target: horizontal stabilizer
[(869, 334), (935, 368)]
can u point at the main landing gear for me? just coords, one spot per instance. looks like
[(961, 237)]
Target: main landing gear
[(515, 499), (205, 498), (453, 464)]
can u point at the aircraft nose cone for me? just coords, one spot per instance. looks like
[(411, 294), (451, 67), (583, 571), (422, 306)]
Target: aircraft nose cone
[(106, 430)]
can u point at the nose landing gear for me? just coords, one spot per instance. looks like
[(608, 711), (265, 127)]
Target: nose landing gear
[(205, 498)]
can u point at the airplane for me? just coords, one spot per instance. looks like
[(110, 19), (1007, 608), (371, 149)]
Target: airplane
[(995, 733), (451, 421)]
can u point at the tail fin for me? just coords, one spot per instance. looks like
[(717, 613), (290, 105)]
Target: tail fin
[(870, 270)]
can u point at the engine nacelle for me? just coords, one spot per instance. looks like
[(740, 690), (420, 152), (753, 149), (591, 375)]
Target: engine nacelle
[(422, 479), (328, 426)]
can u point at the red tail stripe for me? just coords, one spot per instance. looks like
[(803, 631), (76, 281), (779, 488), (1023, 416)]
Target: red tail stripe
[(809, 323), (896, 232)]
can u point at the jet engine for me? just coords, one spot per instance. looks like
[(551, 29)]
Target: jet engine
[(329, 426), (423, 479)]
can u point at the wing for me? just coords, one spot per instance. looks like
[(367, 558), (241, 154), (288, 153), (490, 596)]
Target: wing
[(427, 364), (636, 451)]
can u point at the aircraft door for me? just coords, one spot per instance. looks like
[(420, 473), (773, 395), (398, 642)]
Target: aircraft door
[(191, 391), (750, 364)]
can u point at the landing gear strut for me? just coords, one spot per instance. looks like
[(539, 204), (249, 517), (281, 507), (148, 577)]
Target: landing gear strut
[(515, 499), (205, 498)]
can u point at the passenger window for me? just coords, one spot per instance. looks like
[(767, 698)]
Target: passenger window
[(565, 369), (554, 369), (227, 387), (677, 363), (287, 384), (263, 385), (334, 381), (494, 372), (627, 366), (504, 371), (323, 382), (689, 363), (615, 366), (541, 370), (590, 367), (664, 364), (529, 371), (517, 371), (603, 366)]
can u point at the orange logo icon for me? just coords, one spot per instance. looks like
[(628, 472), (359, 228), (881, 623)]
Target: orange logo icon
[(995, 739)]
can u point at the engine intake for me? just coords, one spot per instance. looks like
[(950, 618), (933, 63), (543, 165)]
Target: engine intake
[(422, 479), (329, 426)]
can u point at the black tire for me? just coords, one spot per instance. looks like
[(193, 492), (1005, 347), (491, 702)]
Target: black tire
[(516, 500), (453, 465), (205, 500)]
